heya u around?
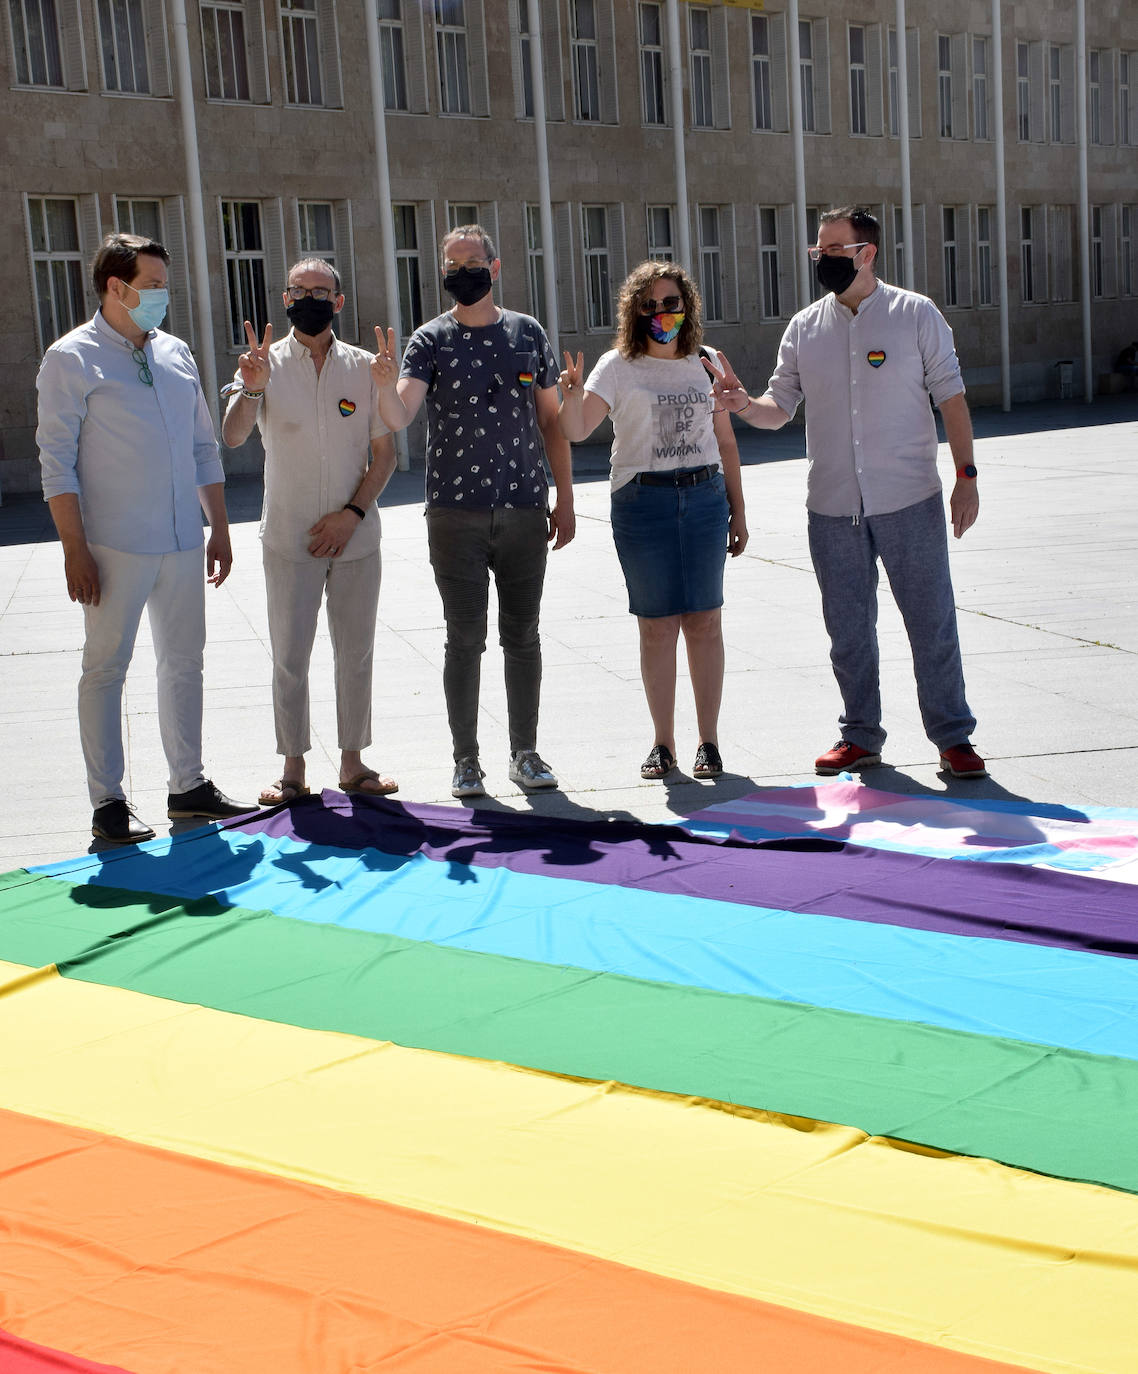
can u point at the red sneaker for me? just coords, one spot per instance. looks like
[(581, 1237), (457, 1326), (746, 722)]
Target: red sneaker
[(962, 761), (843, 757)]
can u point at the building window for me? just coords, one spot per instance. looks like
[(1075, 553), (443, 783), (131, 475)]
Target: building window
[(586, 81), (142, 217), (1125, 98), (525, 56), (1098, 271), (806, 73), (661, 245), (1023, 92), (711, 263), (1027, 263), (981, 93), (535, 262), (1094, 94), (300, 52), (770, 294), (944, 84), (317, 232), (948, 237), (1126, 250), (451, 46), (858, 80), (57, 265), (761, 71), (245, 270), (408, 269), (702, 83), (598, 292), (985, 283), (652, 106), (1055, 92), (392, 54), (122, 46), (460, 213), (223, 51), (35, 43)]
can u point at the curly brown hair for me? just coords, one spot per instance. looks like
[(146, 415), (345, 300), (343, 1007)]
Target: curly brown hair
[(631, 340)]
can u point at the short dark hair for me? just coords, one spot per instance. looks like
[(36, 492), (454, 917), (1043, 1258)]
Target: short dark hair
[(315, 265), (865, 223), (118, 256), (468, 231), (631, 340)]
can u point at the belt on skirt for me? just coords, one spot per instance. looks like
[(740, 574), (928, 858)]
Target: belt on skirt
[(680, 477)]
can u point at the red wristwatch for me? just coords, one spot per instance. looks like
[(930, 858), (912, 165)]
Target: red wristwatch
[(968, 470)]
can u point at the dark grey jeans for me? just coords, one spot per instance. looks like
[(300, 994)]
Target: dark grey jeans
[(913, 547), (466, 546)]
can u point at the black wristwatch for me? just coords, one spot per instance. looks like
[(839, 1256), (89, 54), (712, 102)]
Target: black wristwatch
[(968, 470)]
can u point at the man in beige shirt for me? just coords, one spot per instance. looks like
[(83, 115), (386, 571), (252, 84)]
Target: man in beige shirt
[(328, 455)]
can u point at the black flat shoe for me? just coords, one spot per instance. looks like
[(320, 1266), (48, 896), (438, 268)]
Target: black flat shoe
[(115, 822), (707, 764), (658, 764)]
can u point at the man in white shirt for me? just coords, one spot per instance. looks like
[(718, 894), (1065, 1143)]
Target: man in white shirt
[(129, 461), (866, 358), (328, 455)]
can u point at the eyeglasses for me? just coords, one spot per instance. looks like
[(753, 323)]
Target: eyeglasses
[(143, 366), (318, 293), (832, 250), (472, 265), (670, 305)]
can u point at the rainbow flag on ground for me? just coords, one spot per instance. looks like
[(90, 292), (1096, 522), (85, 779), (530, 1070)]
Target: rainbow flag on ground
[(353, 1087)]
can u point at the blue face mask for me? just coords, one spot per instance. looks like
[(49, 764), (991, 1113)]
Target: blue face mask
[(151, 309)]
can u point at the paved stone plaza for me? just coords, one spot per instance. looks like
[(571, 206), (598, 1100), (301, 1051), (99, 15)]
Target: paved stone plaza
[(1046, 585)]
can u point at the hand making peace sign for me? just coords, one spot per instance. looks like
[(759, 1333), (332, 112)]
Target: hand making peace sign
[(570, 380), (254, 365), (385, 364)]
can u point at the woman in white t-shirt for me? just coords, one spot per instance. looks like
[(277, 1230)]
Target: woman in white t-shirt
[(677, 495)]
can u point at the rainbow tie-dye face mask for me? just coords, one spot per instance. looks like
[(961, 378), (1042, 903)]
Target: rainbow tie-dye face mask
[(664, 328)]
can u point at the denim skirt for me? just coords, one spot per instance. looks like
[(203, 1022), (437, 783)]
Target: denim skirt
[(672, 544)]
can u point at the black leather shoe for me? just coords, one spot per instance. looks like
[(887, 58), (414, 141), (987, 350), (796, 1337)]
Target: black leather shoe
[(116, 822), (205, 800)]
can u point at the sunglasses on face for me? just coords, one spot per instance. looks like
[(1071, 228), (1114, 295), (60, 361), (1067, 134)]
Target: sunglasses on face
[(670, 305)]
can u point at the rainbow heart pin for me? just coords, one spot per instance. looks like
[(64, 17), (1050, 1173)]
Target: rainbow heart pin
[(875, 357), (347, 407), (525, 378)]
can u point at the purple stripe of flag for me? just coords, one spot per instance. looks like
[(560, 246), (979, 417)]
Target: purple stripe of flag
[(827, 877)]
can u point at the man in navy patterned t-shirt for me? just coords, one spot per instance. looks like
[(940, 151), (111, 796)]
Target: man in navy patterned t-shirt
[(489, 379)]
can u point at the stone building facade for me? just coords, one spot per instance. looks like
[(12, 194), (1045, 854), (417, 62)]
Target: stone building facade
[(282, 102)]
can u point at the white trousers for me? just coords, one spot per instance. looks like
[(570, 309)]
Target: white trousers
[(171, 587), (294, 592)]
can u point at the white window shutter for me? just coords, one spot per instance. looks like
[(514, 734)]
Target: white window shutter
[(1067, 91), (566, 281), (780, 110), (157, 47), (329, 38), (1109, 77), (821, 76), (920, 257), (180, 320), (477, 73), (517, 13), (913, 59), (964, 255), (617, 249), (72, 49), (1110, 250), (349, 322), (428, 257), (874, 99), (415, 56), (730, 264), (1035, 92), (788, 250), (958, 45), (256, 52), (720, 69), (606, 61), (276, 263)]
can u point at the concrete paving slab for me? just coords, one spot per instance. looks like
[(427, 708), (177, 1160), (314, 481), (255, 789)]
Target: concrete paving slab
[(1049, 627)]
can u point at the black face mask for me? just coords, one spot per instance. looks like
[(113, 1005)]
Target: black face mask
[(468, 286), (835, 274), (309, 316)]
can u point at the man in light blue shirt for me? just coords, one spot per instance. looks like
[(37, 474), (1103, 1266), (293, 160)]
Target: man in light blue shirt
[(129, 460)]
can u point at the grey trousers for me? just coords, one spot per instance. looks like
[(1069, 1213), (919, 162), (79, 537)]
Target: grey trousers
[(912, 545), (466, 546), (294, 592)]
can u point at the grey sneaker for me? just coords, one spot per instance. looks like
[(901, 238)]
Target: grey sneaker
[(467, 780), (530, 771)]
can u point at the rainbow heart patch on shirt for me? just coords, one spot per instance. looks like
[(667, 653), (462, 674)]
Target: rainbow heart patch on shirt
[(875, 357), (347, 407), (525, 379)]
